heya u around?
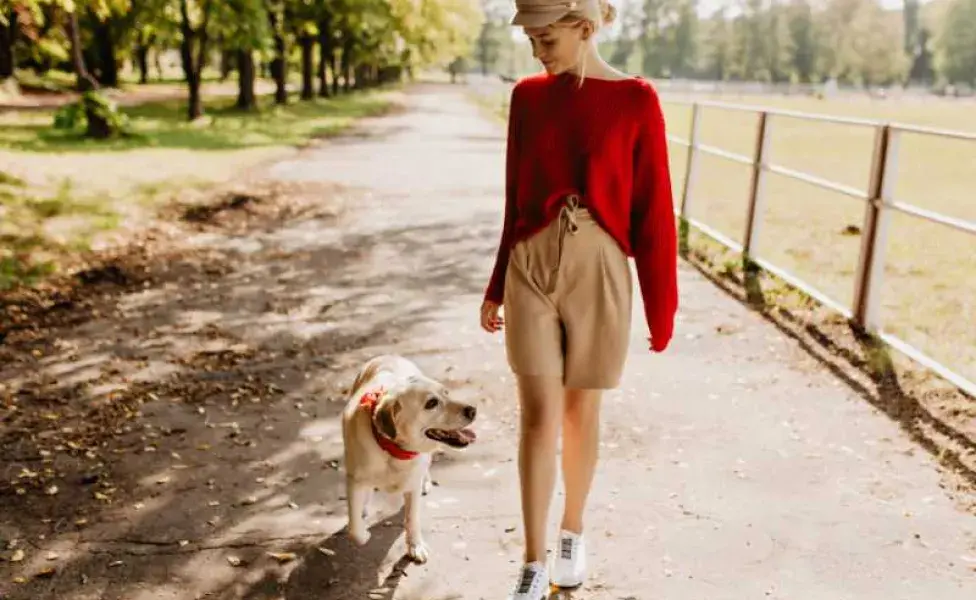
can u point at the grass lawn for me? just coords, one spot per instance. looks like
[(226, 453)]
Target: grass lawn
[(60, 191), (929, 288)]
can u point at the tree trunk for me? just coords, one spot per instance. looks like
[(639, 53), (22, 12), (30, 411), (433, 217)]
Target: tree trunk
[(279, 67), (362, 77), (98, 125), (158, 60), (105, 52), (334, 67), (8, 35), (84, 82), (190, 68), (245, 70), (226, 63), (142, 62), (308, 67), (347, 64), (326, 55)]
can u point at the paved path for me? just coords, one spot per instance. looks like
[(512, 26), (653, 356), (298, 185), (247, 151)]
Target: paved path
[(733, 466)]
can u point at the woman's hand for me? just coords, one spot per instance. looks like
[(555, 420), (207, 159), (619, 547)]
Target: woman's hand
[(490, 321)]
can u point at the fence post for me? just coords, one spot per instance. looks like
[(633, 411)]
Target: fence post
[(690, 171), (755, 208), (692, 159), (874, 233)]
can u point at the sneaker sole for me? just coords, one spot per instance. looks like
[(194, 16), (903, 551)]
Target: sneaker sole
[(570, 587)]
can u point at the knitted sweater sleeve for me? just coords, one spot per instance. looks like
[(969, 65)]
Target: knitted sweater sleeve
[(653, 231), (496, 285)]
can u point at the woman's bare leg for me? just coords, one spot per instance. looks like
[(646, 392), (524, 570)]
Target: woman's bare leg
[(541, 400), (581, 446)]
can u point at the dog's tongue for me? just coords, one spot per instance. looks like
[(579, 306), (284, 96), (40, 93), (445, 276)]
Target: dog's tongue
[(456, 437), (467, 436)]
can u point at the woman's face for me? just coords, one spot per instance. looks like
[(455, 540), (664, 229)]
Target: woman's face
[(557, 47)]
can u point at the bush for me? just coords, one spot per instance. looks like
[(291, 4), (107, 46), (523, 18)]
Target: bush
[(94, 112)]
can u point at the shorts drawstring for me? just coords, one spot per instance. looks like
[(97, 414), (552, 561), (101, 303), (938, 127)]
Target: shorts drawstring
[(567, 223)]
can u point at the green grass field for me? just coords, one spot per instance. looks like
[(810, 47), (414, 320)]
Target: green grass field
[(164, 125), (929, 289), (60, 191)]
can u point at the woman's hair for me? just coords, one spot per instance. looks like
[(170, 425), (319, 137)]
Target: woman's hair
[(598, 12)]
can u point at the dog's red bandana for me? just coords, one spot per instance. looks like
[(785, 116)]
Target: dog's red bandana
[(370, 401)]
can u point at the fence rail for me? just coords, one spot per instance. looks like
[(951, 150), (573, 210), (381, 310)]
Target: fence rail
[(878, 201)]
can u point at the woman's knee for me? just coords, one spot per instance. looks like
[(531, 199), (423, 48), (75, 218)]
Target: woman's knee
[(582, 408), (541, 405)]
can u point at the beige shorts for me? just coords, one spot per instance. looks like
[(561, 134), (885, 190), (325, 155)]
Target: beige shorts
[(568, 303)]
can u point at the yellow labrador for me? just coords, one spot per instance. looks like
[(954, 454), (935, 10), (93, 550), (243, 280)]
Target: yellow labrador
[(394, 418)]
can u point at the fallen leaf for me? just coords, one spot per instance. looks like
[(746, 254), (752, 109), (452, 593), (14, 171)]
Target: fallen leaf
[(17, 556), (52, 556), (163, 480), (234, 561), (116, 563), (283, 557), (20, 580), (184, 543), (327, 551), (45, 573)]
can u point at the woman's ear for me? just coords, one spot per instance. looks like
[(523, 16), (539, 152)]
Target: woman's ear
[(587, 30)]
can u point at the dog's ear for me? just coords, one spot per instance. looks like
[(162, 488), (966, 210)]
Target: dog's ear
[(385, 417)]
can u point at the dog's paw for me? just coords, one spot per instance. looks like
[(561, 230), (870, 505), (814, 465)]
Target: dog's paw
[(425, 487), (359, 536), (417, 551)]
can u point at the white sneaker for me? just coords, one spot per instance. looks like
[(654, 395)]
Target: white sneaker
[(569, 565), (533, 583)]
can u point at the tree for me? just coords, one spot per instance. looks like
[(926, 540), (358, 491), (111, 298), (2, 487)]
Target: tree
[(804, 44), (683, 39), (623, 50), (718, 47), (862, 43), (8, 34), (194, 24), (957, 43)]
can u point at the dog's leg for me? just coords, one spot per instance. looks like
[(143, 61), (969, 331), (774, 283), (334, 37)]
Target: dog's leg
[(367, 501), (356, 497), (425, 488), (416, 548)]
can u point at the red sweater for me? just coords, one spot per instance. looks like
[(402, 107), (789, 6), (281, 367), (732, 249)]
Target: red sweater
[(606, 142)]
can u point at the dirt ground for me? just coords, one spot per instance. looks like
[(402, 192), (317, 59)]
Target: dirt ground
[(169, 427)]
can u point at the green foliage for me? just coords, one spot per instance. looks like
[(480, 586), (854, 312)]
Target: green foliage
[(74, 116), (857, 41), (21, 270), (957, 43)]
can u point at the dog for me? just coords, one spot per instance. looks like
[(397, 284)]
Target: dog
[(395, 417)]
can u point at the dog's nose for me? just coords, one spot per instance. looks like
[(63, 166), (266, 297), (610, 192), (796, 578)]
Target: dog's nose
[(470, 412)]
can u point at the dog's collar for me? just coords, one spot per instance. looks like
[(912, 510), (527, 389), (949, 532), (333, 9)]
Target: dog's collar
[(370, 401)]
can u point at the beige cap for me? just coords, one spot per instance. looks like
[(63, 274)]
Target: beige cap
[(540, 13)]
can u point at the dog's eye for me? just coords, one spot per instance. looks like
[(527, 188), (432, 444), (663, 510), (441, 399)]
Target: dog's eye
[(432, 403)]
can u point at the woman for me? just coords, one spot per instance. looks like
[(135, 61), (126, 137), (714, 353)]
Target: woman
[(587, 187)]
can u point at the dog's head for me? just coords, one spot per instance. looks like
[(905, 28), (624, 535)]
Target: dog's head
[(418, 414)]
